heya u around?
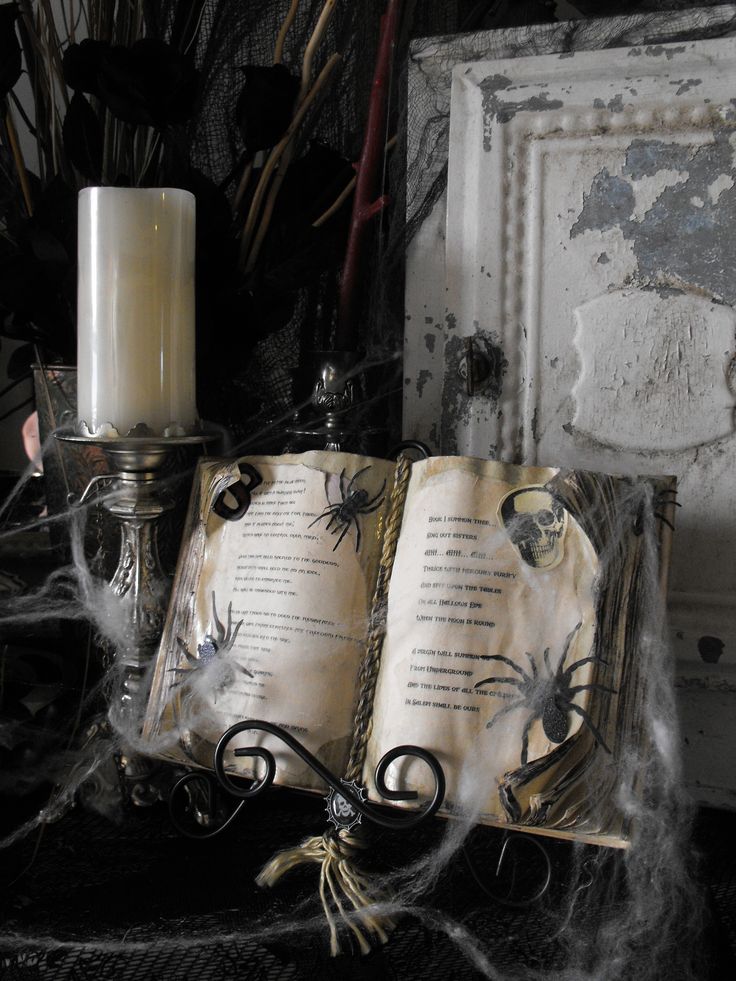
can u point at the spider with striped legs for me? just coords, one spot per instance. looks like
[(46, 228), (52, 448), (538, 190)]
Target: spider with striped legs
[(547, 698)]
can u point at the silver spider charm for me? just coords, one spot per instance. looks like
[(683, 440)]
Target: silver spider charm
[(354, 502), (214, 648)]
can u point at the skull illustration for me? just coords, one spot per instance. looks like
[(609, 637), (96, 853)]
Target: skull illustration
[(535, 521)]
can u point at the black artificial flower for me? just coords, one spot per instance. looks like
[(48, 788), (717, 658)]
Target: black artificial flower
[(81, 65), (149, 83), (10, 58), (82, 134), (265, 105), (38, 273)]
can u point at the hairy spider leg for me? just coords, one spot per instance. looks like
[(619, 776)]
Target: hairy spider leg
[(333, 509), (566, 648), (525, 740), (519, 703), (228, 638), (660, 499), (590, 724), (568, 672), (346, 493), (219, 625), (231, 641), (367, 509), (195, 664), (658, 514), (657, 501), (344, 533), (500, 681), (333, 517), (511, 664), (185, 651), (593, 687), (559, 674)]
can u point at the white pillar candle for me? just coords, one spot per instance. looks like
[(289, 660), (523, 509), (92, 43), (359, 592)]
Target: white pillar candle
[(135, 314)]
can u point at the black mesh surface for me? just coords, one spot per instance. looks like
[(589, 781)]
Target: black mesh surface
[(134, 901)]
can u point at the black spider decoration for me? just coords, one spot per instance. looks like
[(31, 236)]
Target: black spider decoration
[(212, 647), (664, 499), (549, 699), (355, 501)]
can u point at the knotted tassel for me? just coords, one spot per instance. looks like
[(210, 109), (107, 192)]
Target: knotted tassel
[(346, 894)]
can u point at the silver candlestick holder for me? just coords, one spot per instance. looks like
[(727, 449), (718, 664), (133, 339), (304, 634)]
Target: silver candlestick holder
[(137, 498)]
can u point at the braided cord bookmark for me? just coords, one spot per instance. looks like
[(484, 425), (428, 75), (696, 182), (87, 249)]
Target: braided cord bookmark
[(346, 894)]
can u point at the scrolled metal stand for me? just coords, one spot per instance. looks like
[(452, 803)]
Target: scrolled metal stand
[(512, 897), (352, 807), (197, 807)]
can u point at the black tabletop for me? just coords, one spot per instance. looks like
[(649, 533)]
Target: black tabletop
[(92, 898)]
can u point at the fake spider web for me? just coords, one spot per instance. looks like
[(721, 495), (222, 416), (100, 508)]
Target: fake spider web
[(635, 914)]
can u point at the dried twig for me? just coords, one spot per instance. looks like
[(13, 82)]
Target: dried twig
[(277, 153), (242, 186), (278, 51), (346, 192), (253, 240), (312, 45)]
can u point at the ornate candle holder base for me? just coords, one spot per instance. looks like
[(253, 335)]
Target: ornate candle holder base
[(138, 498)]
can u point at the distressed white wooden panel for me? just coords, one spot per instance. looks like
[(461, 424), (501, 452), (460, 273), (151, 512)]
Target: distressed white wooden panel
[(710, 763), (592, 201), (429, 81), (678, 354)]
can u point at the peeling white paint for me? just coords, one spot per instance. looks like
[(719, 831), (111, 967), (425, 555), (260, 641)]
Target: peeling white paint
[(724, 182), (678, 351), (648, 190)]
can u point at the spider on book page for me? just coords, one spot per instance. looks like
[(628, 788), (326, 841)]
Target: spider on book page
[(548, 698), (214, 648), (355, 501)]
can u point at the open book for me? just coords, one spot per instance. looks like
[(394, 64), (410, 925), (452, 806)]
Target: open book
[(511, 636)]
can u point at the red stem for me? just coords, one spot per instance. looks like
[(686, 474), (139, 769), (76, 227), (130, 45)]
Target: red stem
[(365, 204)]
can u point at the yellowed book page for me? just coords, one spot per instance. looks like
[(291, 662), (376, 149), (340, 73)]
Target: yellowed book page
[(274, 625), (493, 586)]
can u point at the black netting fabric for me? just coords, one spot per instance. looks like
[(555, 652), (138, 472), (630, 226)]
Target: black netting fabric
[(233, 35), (135, 902)]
